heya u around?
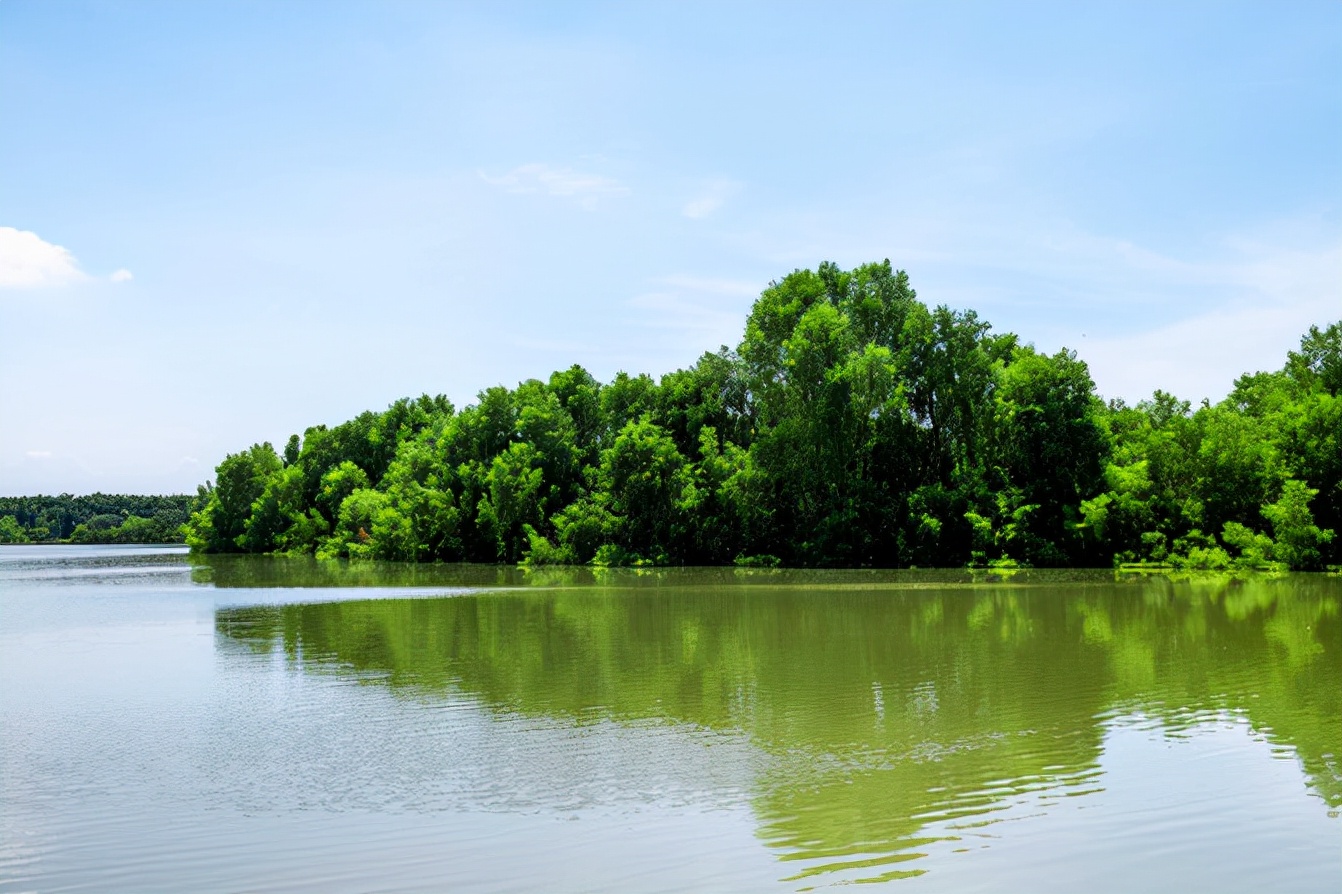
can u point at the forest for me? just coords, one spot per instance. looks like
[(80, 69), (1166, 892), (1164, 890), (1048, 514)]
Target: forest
[(853, 426), (95, 518)]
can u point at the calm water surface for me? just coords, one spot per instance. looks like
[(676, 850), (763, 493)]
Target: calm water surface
[(170, 723)]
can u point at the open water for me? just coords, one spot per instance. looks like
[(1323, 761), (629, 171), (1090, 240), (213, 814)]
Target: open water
[(177, 723)]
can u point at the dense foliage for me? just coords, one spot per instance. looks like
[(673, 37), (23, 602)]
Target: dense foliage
[(852, 426), (95, 518)]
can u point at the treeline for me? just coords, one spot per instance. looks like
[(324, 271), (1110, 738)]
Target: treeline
[(852, 426), (95, 518)]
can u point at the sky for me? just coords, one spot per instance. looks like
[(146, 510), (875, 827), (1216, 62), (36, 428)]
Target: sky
[(221, 223)]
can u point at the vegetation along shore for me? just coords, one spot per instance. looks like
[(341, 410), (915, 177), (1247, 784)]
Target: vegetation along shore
[(852, 426), (95, 518)]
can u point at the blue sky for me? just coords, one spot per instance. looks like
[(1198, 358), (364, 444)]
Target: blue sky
[(222, 223)]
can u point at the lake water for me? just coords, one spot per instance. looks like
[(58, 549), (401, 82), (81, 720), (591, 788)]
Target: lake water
[(174, 723)]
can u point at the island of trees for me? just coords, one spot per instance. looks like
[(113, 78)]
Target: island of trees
[(852, 426)]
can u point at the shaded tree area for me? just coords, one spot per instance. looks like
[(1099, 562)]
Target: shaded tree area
[(94, 518), (852, 426)]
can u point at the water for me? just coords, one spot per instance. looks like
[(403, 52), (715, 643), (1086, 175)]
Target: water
[(170, 723)]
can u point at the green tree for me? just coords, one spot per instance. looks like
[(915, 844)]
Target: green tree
[(852, 425), (646, 477), (10, 532), (515, 500), (220, 525), (1297, 539), (1049, 453)]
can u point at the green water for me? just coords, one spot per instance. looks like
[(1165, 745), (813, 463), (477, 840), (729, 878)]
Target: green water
[(426, 728)]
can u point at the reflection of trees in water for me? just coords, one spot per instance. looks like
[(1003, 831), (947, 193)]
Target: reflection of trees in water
[(235, 571), (884, 710)]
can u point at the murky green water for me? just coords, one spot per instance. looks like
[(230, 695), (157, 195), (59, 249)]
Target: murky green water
[(280, 725)]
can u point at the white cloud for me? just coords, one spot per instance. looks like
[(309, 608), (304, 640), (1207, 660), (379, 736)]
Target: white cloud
[(735, 287), (39, 454), (710, 199), (710, 311), (701, 207), (122, 275), (29, 262), (674, 312), (558, 182), (1280, 293)]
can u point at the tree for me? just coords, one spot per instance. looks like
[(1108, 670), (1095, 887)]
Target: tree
[(10, 532), (1297, 539), (515, 500), (646, 477), (1049, 452), (221, 524), (1319, 360), (852, 425)]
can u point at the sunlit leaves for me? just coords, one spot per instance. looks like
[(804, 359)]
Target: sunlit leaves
[(852, 426)]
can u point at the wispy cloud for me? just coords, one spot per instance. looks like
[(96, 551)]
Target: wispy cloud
[(122, 275), (673, 311), (545, 179), (734, 287), (559, 346), (710, 198), (706, 310), (1278, 294), (29, 262)]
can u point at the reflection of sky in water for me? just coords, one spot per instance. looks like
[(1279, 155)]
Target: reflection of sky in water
[(966, 739)]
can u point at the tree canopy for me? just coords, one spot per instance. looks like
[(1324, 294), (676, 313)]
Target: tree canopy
[(94, 518), (852, 426)]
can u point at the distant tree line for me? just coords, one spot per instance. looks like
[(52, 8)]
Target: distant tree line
[(852, 426), (95, 518)]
